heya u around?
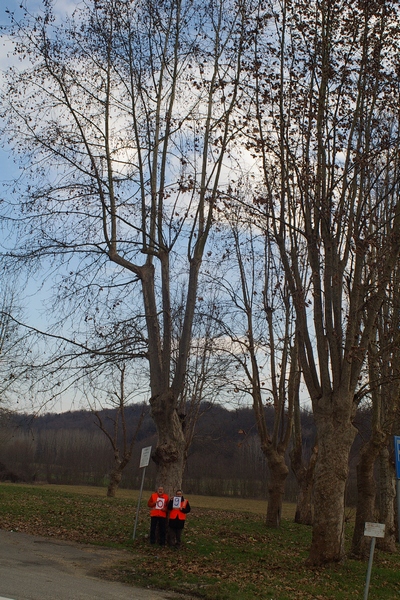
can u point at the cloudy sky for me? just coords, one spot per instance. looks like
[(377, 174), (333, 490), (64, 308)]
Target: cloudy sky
[(7, 168), (34, 294)]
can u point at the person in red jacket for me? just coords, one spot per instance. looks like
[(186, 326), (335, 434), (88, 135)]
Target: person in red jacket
[(158, 503), (178, 508)]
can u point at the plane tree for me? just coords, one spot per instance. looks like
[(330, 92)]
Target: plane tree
[(322, 126), (264, 328), (108, 376), (375, 502), (121, 118), (382, 377), (261, 340)]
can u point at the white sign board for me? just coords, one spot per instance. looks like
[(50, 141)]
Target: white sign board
[(376, 530), (176, 502), (145, 457), (160, 504)]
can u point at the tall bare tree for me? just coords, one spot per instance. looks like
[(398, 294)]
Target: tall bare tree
[(123, 119), (375, 502), (261, 332), (322, 125)]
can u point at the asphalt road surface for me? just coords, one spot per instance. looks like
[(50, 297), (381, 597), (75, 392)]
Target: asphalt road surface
[(35, 568)]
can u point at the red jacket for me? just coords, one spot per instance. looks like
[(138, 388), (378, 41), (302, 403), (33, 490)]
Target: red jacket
[(179, 513), (158, 504)]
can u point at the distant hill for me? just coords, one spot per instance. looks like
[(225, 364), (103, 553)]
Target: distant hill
[(68, 447)]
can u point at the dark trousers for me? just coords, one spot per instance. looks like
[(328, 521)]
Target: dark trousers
[(158, 527), (174, 536)]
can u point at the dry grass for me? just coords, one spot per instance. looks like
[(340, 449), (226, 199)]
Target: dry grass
[(258, 507), (228, 551)]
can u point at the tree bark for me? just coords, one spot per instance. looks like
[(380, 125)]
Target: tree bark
[(170, 453), (115, 480), (305, 479), (387, 495), (366, 494), (276, 487), (335, 438)]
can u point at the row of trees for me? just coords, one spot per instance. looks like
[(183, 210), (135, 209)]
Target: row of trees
[(225, 458), (216, 186)]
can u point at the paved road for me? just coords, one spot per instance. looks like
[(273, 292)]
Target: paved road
[(35, 568)]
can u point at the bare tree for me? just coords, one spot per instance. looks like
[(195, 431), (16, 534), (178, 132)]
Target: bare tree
[(121, 439), (261, 330), (322, 125), (209, 370), (123, 118), (383, 386), (16, 346)]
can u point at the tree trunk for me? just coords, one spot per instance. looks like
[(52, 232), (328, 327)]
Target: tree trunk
[(305, 479), (120, 464), (169, 454), (387, 496), (366, 496), (115, 480), (276, 488), (335, 438)]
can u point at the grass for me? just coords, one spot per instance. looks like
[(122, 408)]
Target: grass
[(228, 552)]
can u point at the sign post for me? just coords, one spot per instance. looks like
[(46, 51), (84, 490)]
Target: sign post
[(144, 462), (372, 530), (397, 462)]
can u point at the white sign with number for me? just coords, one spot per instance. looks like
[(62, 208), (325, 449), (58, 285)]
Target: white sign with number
[(160, 503), (176, 503)]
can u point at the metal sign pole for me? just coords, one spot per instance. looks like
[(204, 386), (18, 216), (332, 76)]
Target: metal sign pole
[(371, 558), (138, 505), (144, 461), (372, 530), (397, 462)]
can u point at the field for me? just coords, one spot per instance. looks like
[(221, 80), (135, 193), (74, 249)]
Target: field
[(228, 551)]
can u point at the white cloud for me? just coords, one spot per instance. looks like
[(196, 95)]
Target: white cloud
[(7, 58), (61, 7)]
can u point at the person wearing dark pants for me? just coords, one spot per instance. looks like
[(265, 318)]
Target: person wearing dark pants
[(158, 503), (178, 508)]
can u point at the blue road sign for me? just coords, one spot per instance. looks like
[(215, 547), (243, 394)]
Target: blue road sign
[(397, 454)]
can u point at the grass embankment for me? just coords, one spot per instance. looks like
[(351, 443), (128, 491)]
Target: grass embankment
[(228, 551)]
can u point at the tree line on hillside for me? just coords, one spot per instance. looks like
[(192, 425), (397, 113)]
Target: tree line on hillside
[(225, 458), (212, 188)]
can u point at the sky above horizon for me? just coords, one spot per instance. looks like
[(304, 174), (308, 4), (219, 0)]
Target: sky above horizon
[(34, 294), (8, 170)]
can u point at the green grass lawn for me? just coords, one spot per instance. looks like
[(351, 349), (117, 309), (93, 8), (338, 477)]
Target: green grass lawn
[(228, 551)]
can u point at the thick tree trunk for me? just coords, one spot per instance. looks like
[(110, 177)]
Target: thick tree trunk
[(278, 471), (366, 496), (387, 489), (169, 454), (335, 438)]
